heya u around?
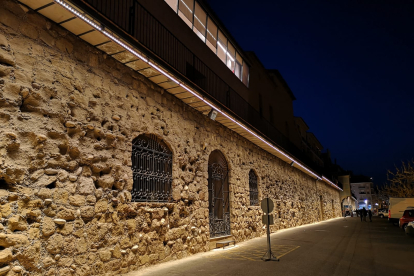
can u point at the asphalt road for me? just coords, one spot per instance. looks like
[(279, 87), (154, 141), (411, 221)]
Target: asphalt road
[(343, 246)]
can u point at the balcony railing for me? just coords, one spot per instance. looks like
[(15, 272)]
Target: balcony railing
[(136, 22)]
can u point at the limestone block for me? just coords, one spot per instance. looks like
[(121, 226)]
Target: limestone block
[(61, 196), (4, 270), (48, 261), (45, 193), (30, 257), (86, 186), (101, 206), (104, 255), (48, 227), (54, 244), (77, 200), (16, 240), (17, 223), (91, 199), (6, 58), (17, 269), (6, 256), (5, 210), (82, 245), (34, 233), (87, 212), (45, 180), (66, 214), (35, 176), (106, 181)]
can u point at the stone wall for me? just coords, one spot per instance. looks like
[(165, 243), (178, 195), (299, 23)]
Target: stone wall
[(68, 115)]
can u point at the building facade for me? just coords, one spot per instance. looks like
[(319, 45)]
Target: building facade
[(363, 191), (110, 157)]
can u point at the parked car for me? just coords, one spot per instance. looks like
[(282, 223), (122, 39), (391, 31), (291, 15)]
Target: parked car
[(383, 213), (407, 217), (410, 228)]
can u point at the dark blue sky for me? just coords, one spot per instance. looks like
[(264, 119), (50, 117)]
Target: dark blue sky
[(350, 65)]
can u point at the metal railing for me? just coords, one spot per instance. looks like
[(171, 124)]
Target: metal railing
[(133, 19)]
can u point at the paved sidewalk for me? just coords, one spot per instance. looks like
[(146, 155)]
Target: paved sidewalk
[(342, 246)]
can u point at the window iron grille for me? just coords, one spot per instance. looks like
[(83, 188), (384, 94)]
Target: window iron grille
[(253, 191), (152, 169)]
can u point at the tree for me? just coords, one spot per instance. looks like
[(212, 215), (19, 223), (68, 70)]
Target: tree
[(401, 182)]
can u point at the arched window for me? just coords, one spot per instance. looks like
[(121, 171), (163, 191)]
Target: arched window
[(254, 192), (152, 169)]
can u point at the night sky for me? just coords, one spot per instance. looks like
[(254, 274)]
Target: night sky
[(350, 65)]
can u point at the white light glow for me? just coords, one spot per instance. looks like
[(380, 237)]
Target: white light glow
[(132, 51), (186, 6), (163, 72), (99, 28), (78, 14)]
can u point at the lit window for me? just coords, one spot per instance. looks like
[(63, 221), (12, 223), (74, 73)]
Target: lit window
[(211, 35), (173, 4), (200, 20), (245, 73), (186, 9), (238, 68), (231, 56), (222, 46)]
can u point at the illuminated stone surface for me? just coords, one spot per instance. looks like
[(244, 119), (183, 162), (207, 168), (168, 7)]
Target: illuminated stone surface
[(68, 115)]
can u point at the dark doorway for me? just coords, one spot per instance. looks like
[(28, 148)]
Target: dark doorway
[(218, 195)]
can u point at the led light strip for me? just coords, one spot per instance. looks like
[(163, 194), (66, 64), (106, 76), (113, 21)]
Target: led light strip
[(99, 28), (132, 51), (330, 182)]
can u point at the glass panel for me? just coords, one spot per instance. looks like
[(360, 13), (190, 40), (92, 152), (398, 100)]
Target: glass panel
[(245, 74), (238, 69), (200, 20), (173, 4), (222, 46), (231, 55), (212, 35), (186, 9)]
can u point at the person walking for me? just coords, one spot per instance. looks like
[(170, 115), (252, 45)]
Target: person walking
[(360, 214), (364, 213), (370, 215)]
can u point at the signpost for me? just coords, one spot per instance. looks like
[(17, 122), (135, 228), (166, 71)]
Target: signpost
[(267, 207)]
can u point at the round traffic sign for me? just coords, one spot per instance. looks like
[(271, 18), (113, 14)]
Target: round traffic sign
[(267, 205)]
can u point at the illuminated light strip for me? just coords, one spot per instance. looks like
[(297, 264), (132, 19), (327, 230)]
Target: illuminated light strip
[(132, 51), (84, 18), (211, 35), (99, 28), (224, 49), (163, 72), (330, 182), (199, 21), (186, 6), (78, 14)]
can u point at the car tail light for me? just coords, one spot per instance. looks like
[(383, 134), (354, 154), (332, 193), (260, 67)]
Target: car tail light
[(389, 213)]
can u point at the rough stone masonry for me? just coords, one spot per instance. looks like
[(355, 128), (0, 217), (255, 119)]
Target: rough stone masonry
[(68, 115)]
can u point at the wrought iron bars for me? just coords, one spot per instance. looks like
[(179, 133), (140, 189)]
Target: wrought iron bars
[(152, 169), (253, 191)]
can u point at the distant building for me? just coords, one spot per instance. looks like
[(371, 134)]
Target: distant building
[(362, 188), (348, 199)]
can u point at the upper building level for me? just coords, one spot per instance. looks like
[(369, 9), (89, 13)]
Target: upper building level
[(184, 48)]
